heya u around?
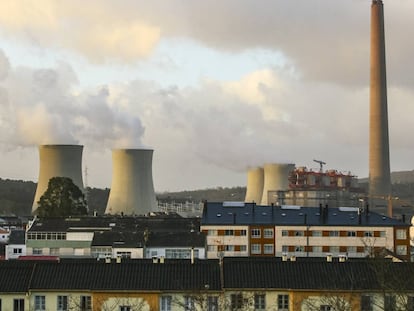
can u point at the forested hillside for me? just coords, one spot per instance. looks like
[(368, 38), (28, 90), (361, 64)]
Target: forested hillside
[(16, 196)]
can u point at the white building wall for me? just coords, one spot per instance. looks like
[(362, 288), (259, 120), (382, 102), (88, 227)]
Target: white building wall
[(135, 252), (79, 236), (14, 251)]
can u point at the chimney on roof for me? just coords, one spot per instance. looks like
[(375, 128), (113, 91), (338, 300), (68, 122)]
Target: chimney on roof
[(154, 259), (293, 258), (284, 257), (329, 257), (192, 255), (118, 259), (162, 259)]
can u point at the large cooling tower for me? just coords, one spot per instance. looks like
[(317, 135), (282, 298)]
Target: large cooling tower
[(276, 177), (132, 190), (379, 158), (254, 190), (58, 161)]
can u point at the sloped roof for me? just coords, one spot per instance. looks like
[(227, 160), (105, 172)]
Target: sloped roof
[(273, 273), (15, 276), (118, 239), (177, 239), (17, 237), (218, 213), (132, 275)]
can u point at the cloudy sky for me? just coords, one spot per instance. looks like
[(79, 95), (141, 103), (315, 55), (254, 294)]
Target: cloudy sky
[(213, 86)]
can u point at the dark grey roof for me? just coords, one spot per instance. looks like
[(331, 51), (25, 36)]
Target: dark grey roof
[(118, 239), (177, 239), (15, 276), (238, 274), (129, 275), (218, 213), (272, 273), (163, 222), (17, 237)]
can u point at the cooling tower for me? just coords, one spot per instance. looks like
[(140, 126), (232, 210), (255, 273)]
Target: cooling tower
[(379, 158), (254, 190), (58, 161), (276, 178), (132, 190)]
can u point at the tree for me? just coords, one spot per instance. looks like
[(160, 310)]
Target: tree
[(62, 198)]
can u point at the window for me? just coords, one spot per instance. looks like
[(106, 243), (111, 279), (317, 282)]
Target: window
[(256, 249), (54, 251), (236, 301), (299, 248), (285, 233), (268, 248), (180, 253), (333, 233), (124, 254), (299, 233), (351, 233), (212, 232), (366, 303), (189, 303), (259, 302), (40, 303), (334, 249), (325, 308), (351, 249), (243, 248), (368, 234), (165, 303), (212, 303), (37, 251), (17, 250), (268, 233), (317, 249), (316, 233), (383, 234), (255, 233), (18, 304), (401, 234), (211, 248), (85, 303), (243, 232), (228, 232), (285, 248), (283, 302), (229, 248), (124, 308), (401, 249), (389, 303), (62, 303)]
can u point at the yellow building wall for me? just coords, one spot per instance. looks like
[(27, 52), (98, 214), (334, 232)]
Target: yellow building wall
[(138, 301)]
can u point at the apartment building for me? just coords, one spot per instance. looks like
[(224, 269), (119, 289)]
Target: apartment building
[(247, 229)]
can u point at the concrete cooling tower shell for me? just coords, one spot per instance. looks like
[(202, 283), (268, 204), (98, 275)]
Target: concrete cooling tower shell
[(58, 161), (132, 190), (254, 190), (276, 178)]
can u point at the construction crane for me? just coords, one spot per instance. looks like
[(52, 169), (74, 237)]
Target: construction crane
[(321, 164)]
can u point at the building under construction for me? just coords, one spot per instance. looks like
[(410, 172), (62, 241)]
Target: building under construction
[(312, 188)]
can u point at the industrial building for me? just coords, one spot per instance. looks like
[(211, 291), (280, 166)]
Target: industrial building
[(285, 184)]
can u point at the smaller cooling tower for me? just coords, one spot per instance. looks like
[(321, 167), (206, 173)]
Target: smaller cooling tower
[(276, 178), (58, 161), (132, 190), (254, 190)]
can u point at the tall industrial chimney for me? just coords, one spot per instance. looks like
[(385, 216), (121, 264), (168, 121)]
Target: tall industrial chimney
[(132, 190), (254, 189), (58, 161), (276, 178), (379, 157)]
